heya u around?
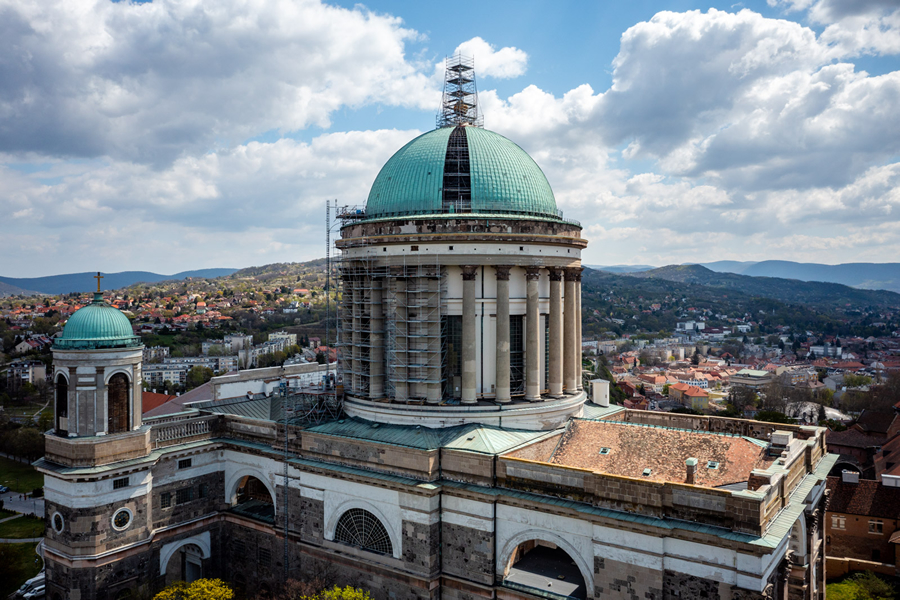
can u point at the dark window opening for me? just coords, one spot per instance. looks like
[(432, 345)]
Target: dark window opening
[(62, 405), (265, 557), (120, 483), (204, 490), (457, 193), (876, 555), (117, 403), (184, 463), (184, 495), (165, 500), (516, 355), (453, 366)]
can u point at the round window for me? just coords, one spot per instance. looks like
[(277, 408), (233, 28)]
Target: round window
[(121, 519), (58, 523)]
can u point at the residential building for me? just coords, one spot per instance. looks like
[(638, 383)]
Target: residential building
[(751, 378), (862, 525)]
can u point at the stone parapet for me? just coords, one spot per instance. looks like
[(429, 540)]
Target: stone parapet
[(92, 451)]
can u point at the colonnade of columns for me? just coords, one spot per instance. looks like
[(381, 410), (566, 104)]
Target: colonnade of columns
[(565, 334)]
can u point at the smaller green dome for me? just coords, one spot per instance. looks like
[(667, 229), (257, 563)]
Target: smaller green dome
[(97, 325)]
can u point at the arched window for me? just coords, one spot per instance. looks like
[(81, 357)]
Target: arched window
[(117, 404), (62, 405), (360, 528)]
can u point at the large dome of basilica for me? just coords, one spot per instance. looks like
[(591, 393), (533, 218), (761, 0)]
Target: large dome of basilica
[(461, 169)]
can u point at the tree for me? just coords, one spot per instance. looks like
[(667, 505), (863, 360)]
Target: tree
[(695, 359), (201, 589), (197, 376), (665, 390), (887, 394), (345, 593), (320, 358)]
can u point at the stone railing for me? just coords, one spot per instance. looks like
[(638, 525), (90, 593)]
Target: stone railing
[(180, 432)]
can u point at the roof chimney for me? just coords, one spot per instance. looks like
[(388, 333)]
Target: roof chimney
[(691, 465), (850, 476)]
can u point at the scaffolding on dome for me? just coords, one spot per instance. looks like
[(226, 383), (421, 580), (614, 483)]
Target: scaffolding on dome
[(459, 103)]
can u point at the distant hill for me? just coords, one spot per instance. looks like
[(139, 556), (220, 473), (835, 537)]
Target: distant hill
[(869, 276), (12, 290), (824, 295), (621, 268), (84, 282)]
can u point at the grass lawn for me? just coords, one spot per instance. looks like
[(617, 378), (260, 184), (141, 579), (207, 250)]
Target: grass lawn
[(19, 566), (23, 527), (19, 476), (24, 411)]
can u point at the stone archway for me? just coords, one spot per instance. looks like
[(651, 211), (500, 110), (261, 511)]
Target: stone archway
[(118, 413), (545, 566), (183, 560)]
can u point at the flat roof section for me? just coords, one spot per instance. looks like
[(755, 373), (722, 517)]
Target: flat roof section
[(658, 453)]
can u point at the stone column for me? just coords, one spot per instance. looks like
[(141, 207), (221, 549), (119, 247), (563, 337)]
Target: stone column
[(579, 380), (469, 360), (376, 340), (556, 337), (532, 335), (502, 385), (570, 382)]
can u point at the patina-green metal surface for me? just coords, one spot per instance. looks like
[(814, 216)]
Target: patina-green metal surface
[(504, 178), (96, 326)]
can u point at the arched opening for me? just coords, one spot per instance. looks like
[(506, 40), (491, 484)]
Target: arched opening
[(362, 529), (185, 564), (117, 404), (544, 566), (252, 499), (62, 405)]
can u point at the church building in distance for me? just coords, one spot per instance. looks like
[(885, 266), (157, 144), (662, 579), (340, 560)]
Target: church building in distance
[(468, 462)]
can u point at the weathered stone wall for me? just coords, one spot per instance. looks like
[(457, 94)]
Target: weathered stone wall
[(421, 547), (382, 582), (397, 460), (614, 579), (179, 513), (468, 553), (89, 530), (468, 467)]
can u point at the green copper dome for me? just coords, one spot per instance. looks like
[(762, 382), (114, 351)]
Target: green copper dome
[(97, 325), (461, 170)]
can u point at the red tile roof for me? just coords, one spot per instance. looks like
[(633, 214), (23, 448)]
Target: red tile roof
[(150, 400), (867, 498), (664, 451)]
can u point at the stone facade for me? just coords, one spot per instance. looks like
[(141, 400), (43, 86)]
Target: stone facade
[(456, 520)]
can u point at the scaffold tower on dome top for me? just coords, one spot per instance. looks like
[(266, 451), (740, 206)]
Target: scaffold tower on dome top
[(461, 282), (459, 105)]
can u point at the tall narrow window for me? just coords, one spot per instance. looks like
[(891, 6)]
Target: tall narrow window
[(516, 355), (62, 405), (117, 403)]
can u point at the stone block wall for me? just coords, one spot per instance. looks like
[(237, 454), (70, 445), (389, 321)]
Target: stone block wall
[(468, 467), (421, 547), (615, 579), (468, 553), (397, 460), (212, 483)]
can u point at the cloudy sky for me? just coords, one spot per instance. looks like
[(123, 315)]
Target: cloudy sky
[(175, 135)]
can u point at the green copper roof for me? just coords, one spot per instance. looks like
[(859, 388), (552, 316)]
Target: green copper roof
[(97, 325), (504, 179)]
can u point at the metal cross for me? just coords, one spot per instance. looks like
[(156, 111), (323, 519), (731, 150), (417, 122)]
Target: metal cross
[(98, 277)]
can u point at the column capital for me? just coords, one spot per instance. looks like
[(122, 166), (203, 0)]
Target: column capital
[(469, 272), (556, 273), (573, 273), (532, 273), (502, 272)]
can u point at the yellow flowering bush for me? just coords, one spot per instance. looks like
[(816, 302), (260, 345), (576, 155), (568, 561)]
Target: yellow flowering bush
[(202, 589)]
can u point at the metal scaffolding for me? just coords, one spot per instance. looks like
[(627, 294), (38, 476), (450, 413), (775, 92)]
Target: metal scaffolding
[(459, 103), (415, 353), (361, 327)]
